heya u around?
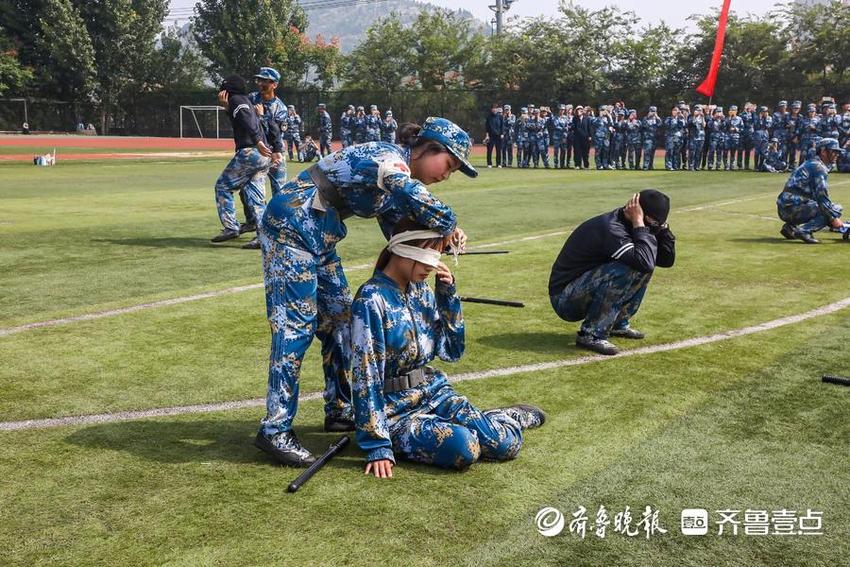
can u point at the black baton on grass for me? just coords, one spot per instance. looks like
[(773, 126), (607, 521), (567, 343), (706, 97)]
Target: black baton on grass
[(492, 301), (840, 380), (478, 252), (335, 448)]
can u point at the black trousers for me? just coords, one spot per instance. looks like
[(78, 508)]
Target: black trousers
[(497, 145), (581, 149)]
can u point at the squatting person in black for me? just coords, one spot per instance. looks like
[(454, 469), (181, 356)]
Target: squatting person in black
[(604, 268)]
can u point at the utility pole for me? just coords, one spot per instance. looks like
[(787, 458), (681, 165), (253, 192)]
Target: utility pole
[(500, 8)]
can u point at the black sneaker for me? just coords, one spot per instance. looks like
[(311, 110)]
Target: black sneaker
[(596, 345), (338, 425), (807, 238), (787, 231), (225, 235), (286, 449), (253, 244), (627, 333), (527, 415), (248, 227)]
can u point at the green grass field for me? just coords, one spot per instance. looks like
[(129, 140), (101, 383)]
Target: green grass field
[(742, 423)]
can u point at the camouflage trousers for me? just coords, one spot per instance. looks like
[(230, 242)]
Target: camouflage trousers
[(245, 173), (673, 152), (325, 144), (695, 154), (277, 177), (803, 214), (455, 434), (606, 298), (307, 295), (601, 152), (648, 154)]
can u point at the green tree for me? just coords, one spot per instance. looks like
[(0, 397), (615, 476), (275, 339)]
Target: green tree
[(68, 51), (444, 44), (238, 36), (383, 59), (13, 76), (176, 65)]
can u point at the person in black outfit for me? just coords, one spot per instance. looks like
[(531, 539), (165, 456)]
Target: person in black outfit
[(581, 139), (494, 135), (604, 268)]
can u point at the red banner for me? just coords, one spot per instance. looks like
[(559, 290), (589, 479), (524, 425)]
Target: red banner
[(707, 86)]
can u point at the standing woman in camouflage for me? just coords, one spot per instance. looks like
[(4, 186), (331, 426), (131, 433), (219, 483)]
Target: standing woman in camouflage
[(373, 125), (326, 130), (346, 127), (306, 290), (403, 407), (388, 128)]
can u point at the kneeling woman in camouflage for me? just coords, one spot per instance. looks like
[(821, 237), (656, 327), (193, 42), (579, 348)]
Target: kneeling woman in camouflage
[(403, 407)]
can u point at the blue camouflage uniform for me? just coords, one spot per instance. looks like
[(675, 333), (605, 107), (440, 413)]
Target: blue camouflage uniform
[(732, 130), (522, 138), (246, 172), (373, 125), (804, 203), (843, 121), (292, 134), (359, 123), (395, 332), (696, 122), (748, 117), (618, 147), (829, 124), (761, 134), (774, 162), (716, 139), (273, 110), (634, 140), (780, 120), (508, 136), (389, 126), (651, 123), (807, 131), (326, 130), (543, 139), (560, 127), (792, 140), (675, 128), (346, 127), (602, 126), (533, 129), (306, 289)]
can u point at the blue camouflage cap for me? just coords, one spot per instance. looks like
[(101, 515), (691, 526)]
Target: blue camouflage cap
[(782, 103), (718, 109), (733, 107), (524, 110), (797, 104), (452, 136), (632, 111), (506, 107), (828, 144), (762, 109), (811, 107), (269, 74), (653, 109)]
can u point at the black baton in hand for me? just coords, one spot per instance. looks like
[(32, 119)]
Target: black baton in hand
[(478, 252), (335, 448), (492, 301)]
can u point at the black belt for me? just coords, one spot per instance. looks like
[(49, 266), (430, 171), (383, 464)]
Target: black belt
[(329, 192), (409, 380)]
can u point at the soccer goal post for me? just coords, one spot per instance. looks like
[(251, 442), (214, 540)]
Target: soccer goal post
[(204, 120)]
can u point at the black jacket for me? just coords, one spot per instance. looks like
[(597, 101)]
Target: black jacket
[(246, 126), (581, 127), (494, 125), (609, 238)]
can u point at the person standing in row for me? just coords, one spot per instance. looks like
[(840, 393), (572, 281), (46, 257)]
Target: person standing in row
[(388, 128), (326, 130), (493, 127), (508, 136), (346, 127), (581, 138)]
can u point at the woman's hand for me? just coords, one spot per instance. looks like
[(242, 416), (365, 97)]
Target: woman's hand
[(443, 274), (259, 109), (381, 469), (457, 240), (222, 98)]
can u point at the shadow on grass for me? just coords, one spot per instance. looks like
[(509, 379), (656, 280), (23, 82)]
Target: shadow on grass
[(226, 440), (555, 343), (173, 242), (200, 441)]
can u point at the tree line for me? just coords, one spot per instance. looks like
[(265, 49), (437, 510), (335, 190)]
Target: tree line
[(111, 52)]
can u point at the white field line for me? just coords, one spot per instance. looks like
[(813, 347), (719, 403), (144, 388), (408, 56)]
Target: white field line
[(496, 372), (217, 293)]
